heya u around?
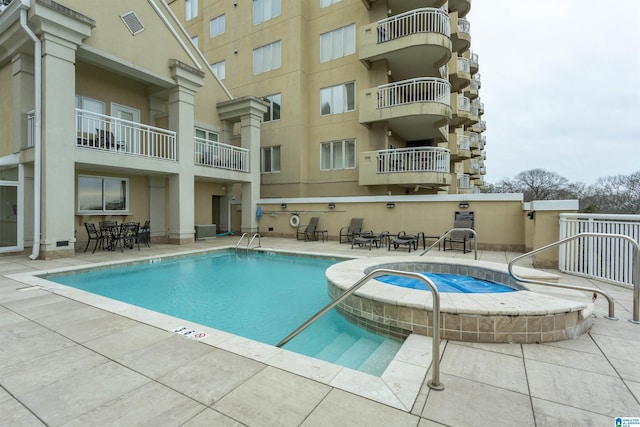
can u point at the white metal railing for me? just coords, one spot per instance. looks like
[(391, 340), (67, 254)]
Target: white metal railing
[(473, 138), (425, 89), (463, 142), (475, 85), (31, 128), (464, 26), (473, 57), (108, 133), (474, 110), (464, 103), (464, 181), (464, 66), (423, 20), (476, 78), (418, 159), (605, 259), (221, 156), (474, 165)]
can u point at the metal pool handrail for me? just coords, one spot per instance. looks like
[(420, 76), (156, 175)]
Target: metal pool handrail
[(636, 272), (249, 241), (475, 240), (434, 383)]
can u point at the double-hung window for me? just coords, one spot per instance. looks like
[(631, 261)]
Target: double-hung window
[(273, 111), (191, 9), (266, 58), (338, 155), (270, 159), (338, 99), (263, 10), (103, 195), (219, 69), (338, 43), (217, 26), (207, 151)]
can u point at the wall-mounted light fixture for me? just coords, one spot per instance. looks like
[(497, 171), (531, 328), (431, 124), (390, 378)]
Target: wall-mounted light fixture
[(391, 205), (463, 205), (332, 205), (283, 205), (235, 51), (531, 215)]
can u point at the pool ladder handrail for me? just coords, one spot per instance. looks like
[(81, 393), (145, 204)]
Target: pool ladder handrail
[(636, 272), (249, 242), (434, 383), (445, 235)]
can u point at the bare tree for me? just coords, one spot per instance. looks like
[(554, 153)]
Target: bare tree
[(540, 184)]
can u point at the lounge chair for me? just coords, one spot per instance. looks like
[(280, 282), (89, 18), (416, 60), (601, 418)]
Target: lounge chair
[(369, 239), (404, 239), (354, 228), (459, 236), (309, 231)]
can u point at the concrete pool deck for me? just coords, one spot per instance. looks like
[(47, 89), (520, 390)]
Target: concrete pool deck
[(65, 362)]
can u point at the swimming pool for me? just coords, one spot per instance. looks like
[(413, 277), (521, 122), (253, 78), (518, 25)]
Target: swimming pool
[(259, 296)]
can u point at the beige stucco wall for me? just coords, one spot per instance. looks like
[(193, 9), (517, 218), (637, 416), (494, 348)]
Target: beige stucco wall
[(6, 110)]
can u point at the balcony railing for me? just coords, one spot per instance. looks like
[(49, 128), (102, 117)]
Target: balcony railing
[(424, 20), (464, 103), (31, 128), (476, 77), (463, 142), (108, 133), (426, 89), (464, 26), (464, 181), (221, 156), (420, 159), (464, 66)]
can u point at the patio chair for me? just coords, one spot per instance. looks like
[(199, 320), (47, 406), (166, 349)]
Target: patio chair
[(110, 232), (354, 228), (309, 231), (459, 236), (129, 235), (94, 234), (369, 239), (144, 234)]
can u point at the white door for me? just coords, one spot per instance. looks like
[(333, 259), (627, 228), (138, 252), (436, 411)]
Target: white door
[(126, 128)]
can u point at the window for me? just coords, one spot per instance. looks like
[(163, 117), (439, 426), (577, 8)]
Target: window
[(266, 58), (191, 9), (263, 10), (217, 26), (194, 39), (338, 155), (325, 3), (207, 135), (103, 195), (273, 113), (219, 69), (88, 123), (270, 159), (337, 99), (338, 43)]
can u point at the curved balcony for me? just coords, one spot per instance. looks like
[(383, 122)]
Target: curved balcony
[(461, 108), (473, 61), (461, 37), (413, 43), (410, 167), (464, 182), (414, 109), (461, 6), (472, 91), (460, 146), (460, 77)]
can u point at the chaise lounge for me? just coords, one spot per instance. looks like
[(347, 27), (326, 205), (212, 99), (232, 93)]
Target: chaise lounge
[(354, 229)]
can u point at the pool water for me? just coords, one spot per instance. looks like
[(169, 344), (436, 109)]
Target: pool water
[(448, 283), (259, 296)]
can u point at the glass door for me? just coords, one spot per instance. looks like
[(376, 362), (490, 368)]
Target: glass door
[(11, 217)]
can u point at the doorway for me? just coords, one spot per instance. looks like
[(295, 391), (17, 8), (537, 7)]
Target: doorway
[(215, 211)]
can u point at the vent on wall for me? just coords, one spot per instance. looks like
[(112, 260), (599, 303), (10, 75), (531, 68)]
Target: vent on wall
[(132, 22)]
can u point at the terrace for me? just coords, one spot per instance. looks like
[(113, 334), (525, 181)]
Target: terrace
[(126, 367)]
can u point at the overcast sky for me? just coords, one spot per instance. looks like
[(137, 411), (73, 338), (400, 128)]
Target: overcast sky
[(560, 86)]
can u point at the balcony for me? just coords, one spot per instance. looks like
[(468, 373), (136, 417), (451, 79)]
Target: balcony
[(473, 62), (461, 78), (414, 109), (414, 43), (464, 182), (31, 128), (461, 37), (409, 167), (111, 134), (461, 6), (479, 127), (221, 156), (461, 107)]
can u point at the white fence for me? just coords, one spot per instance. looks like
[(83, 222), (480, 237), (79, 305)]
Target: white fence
[(425, 89), (606, 259), (424, 20), (422, 159), (221, 156), (108, 133)]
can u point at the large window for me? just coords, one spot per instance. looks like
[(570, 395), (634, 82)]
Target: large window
[(217, 26), (207, 135), (263, 10), (338, 155), (338, 43), (273, 112), (325, 3), (219, 69), (88, 123), (337, 99), (266, 58), (191, 9), (98, 195), (270, 159)]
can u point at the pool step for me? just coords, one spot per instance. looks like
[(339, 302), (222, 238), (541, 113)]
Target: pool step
[(357, 353), (379, 359), (335, 348)]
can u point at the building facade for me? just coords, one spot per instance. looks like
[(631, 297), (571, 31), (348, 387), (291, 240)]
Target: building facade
[(365, 97), (110, 113)]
